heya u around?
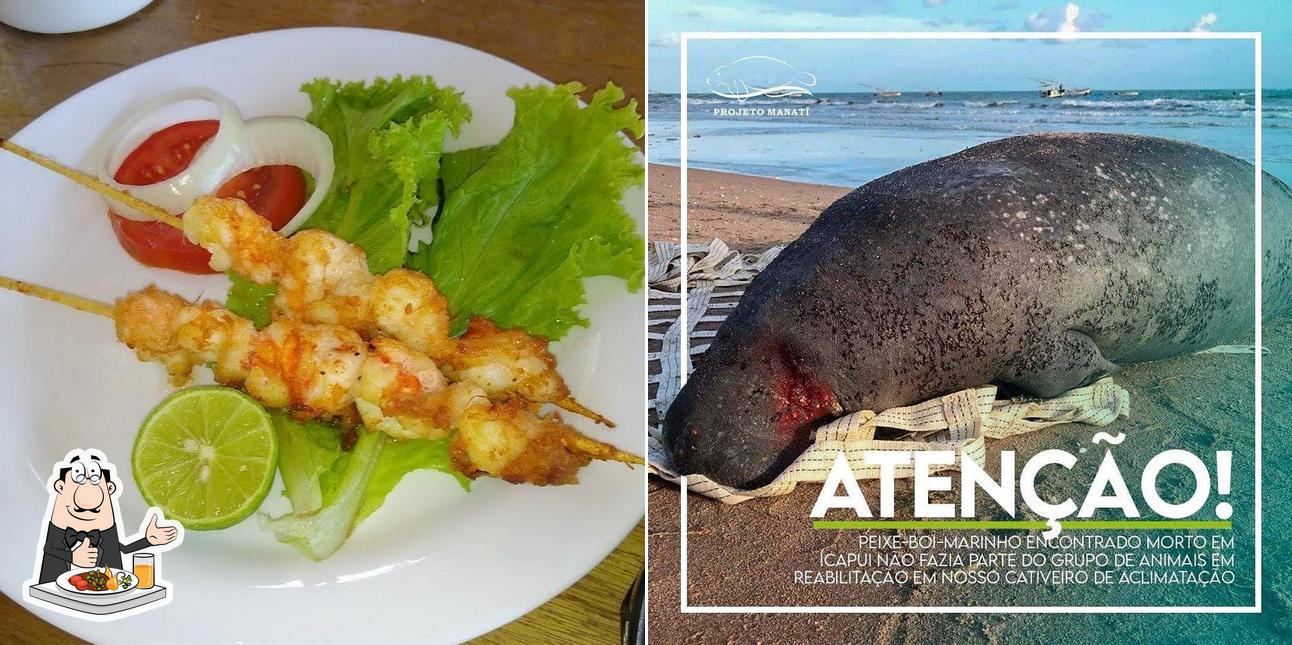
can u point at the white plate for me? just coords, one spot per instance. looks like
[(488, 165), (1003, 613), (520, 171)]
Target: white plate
[(434, 562), (64, 583)]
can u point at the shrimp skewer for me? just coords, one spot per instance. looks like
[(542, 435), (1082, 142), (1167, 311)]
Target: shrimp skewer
[(324, 279), (319, 371)]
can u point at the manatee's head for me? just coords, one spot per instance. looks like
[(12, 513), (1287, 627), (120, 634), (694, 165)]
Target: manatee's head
[(722, 80), (746, 413)]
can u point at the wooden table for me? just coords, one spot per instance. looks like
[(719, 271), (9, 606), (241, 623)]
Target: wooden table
[(592, 41)]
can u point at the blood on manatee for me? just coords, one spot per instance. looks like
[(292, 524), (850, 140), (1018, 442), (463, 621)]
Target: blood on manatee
[(799, 398)]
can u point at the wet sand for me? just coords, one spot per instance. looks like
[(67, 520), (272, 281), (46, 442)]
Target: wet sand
[(740, 555)]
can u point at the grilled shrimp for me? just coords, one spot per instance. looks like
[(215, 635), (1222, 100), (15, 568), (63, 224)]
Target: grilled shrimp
[(504, 361), (407, 306), (507, 440), (394, 389), (237, 238), (216, 337), (145, 322), (307, 369), (164, 327), (325, 280)]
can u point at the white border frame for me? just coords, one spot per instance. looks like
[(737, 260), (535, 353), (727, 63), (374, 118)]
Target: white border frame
[(1255, 37)]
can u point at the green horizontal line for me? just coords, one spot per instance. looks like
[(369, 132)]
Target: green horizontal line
[(1022, 524)]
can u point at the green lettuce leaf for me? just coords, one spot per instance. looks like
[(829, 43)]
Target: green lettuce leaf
[(400, 458), (333, 490), (320, 532), (387, 137), (306, 451), (539, 213), (455, 167), (250, 300)]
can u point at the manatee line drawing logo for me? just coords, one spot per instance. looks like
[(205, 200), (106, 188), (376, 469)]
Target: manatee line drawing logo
[(751, 76)]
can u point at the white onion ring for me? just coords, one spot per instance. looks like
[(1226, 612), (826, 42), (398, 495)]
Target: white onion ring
[(237, 147)]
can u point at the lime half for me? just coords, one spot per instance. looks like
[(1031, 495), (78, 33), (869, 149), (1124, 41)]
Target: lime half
[(206, 456)]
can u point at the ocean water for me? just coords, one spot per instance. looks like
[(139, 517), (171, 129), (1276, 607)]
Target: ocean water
[(849, 139)]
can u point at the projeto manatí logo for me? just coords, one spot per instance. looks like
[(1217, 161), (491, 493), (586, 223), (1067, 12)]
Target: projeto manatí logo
[(751, 76)]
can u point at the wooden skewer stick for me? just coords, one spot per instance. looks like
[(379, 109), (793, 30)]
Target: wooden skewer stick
[(571, 405), (599, 451), (94, 184), (61, 297)]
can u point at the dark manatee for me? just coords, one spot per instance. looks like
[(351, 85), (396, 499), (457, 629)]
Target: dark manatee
[(1041, 262)]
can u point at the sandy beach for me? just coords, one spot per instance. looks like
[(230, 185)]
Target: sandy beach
[(739, 555), (750, 213)]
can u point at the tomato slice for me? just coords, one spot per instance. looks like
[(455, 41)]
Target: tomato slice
[(276, 192), (167, 152), (158, 245)]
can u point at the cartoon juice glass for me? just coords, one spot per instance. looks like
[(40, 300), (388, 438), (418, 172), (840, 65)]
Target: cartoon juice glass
[(143, 569)]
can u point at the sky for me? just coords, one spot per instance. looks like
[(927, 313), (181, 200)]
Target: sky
[(843, 66)]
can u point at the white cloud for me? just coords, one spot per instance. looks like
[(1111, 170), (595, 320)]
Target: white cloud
[(1070, 19), (1205, 22), (665, 39), (934, 3), (1065, 19)]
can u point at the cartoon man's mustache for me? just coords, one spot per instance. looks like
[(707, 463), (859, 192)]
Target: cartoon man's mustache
[(86, 510)]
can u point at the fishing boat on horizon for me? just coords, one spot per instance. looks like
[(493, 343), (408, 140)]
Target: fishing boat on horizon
[(1054, 89), (882, 92), (1049, 89)]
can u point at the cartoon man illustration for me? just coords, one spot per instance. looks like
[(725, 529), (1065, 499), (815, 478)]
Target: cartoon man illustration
[(82, 531)]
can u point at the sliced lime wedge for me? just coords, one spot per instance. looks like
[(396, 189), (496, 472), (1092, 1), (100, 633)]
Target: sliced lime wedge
[(206, 456)]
